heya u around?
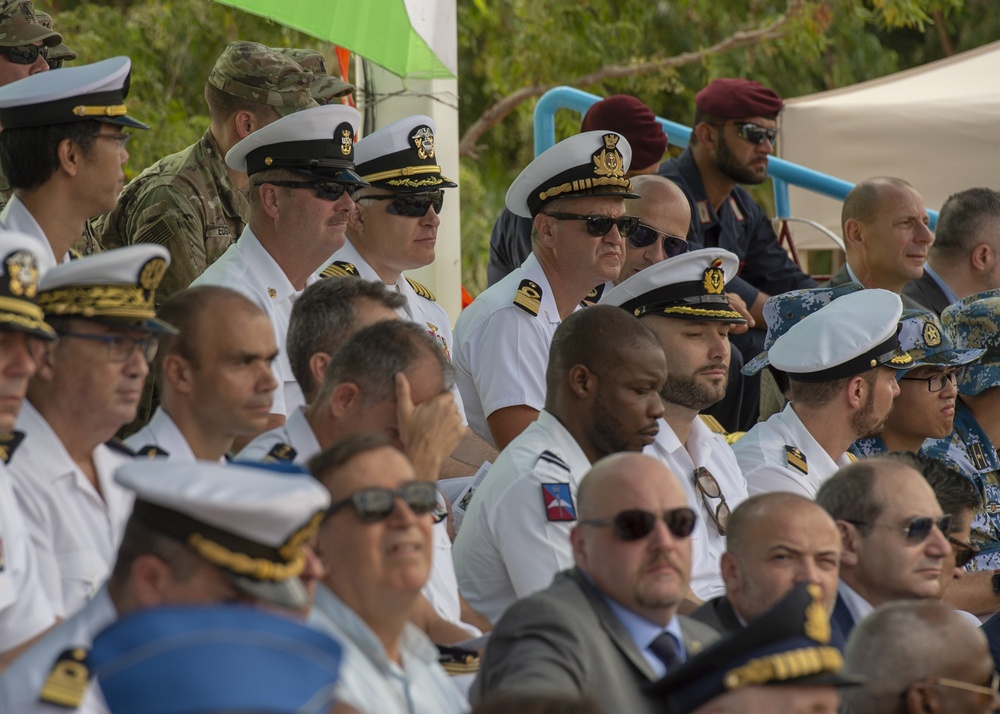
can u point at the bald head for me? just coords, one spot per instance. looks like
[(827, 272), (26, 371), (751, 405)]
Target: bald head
[(774, 541), (662, 206)]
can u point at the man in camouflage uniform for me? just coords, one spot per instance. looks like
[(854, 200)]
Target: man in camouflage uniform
[(191, 202), (324, 87), (975, 322)]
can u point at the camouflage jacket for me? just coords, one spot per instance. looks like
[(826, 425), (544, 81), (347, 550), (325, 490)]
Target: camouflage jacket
[(870, 446), (969, 451), (185, 201)]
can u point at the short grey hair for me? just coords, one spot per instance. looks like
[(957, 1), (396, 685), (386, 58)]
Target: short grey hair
[(850, 494)]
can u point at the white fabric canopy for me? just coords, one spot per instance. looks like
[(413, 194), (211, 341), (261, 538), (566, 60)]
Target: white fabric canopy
[(937, 126)]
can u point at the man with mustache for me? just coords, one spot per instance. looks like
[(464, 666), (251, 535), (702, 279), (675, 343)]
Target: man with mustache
[(683, 301), (214, 376), (302, 176), (603, 381), (609, 626), (887, 236)]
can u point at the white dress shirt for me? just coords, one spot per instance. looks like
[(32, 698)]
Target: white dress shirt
[(16, 217), (163, 433), (295, 432)]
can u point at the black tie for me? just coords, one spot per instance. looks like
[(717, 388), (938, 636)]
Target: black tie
[(665, 649)]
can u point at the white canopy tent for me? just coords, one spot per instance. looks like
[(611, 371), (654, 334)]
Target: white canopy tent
[(937, 126)]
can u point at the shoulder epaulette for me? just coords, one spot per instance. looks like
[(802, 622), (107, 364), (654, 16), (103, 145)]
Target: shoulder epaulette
[(281, 453), (713, 424), (853, 458), (529, 297), (118, 445), (594, 296), (458, 660), (74, 254), (734, 436), (8, 443), (67, 681), (421, 290), (151, 451), (339, 269), (796, 459)]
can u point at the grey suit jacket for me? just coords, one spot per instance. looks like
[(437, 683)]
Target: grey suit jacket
[(927, 293), (566, 640), (842, 277), (718, 613)]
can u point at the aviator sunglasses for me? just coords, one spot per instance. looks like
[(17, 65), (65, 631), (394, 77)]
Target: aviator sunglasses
[(598, 226), (376, 504), (644, 236), (412, 205), (964, 552), (24, 54), (636, 523), (754, 133), (917, 529), (327, 190)]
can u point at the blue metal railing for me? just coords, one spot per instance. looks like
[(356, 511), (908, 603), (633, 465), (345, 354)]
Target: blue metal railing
[(783, 173)]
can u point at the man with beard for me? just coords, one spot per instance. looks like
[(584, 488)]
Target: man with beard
[(682, 300), (734, 133), (841, 362), (603, 380), (925, 406)]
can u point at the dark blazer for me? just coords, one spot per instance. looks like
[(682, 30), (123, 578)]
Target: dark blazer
[(841, 277), (566, 640), (991, 628), (842, 621), (927, 293), (718, 614)]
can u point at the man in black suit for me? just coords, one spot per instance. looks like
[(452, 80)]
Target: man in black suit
[(965, 257), (609, 626), (774, 541)]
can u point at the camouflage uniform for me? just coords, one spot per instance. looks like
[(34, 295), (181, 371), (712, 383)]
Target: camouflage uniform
[(871, 446), (324, 87), (187, 201)]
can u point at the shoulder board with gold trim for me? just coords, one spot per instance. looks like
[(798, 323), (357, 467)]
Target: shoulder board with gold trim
[(421, 290), (713, 424), (339, 269), (734, 436), (68, 680), (281, 453), (594, 296), (852, 457), (8, 443), (529, 297), (796, 459), (151, 451), (457, 660), (74, 254), (118, 445)]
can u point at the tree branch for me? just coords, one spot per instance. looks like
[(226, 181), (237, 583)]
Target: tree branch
[(499, 110)]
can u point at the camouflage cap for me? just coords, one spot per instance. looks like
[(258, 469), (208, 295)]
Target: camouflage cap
[(975, 323), (60, 51), (324, 87), (783, 311), (923, 337), (20, 26), (255, 72)]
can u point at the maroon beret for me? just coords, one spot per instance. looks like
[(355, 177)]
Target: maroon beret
[(738, 99), (635, 121)]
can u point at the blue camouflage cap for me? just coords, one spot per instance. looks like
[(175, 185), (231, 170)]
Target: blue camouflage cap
[(926, 340), (974, 323), (783, 311)]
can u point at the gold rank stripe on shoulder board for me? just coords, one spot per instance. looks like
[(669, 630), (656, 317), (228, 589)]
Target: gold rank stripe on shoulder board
[(796, 459), (280, 453), (8, 443), (339, 269), (852, 458), (421, 290), (529, 297), (68, 680), (713, 424), (594, 296)]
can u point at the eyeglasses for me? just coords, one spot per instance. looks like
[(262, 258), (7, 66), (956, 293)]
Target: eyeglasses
[(936, 382), (964, 552), (327, 190), (709, 488), (636, 523), (121, 347), (24, 54), (755, 133), (598, 226), (989, 691), (123, 138), (917, 530), (412, 205), (376, 504), (643, 236)]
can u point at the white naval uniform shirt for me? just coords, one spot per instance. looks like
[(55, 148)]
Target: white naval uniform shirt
[(24, 608), (704, 448), (370, 681), (508, 548), (296, 432), (502, 351), (162, 432), (249, 269), (21, 684), (16, 217), (419, 310), (76, 532), (762, 456)]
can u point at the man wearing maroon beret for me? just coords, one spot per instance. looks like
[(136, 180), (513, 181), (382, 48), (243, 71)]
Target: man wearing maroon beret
[(734, 133)]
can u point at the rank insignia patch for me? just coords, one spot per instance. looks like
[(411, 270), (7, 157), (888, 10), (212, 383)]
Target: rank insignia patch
[(558, 502), (529, 297), (796, 459)]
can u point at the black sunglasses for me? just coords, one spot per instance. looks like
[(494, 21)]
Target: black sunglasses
[(376, 504), (964, 552), (644, 236), (637, 523), (327, 190), (755, 133), (917, 530), (412, 205), (598, 226), (24, 54)]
